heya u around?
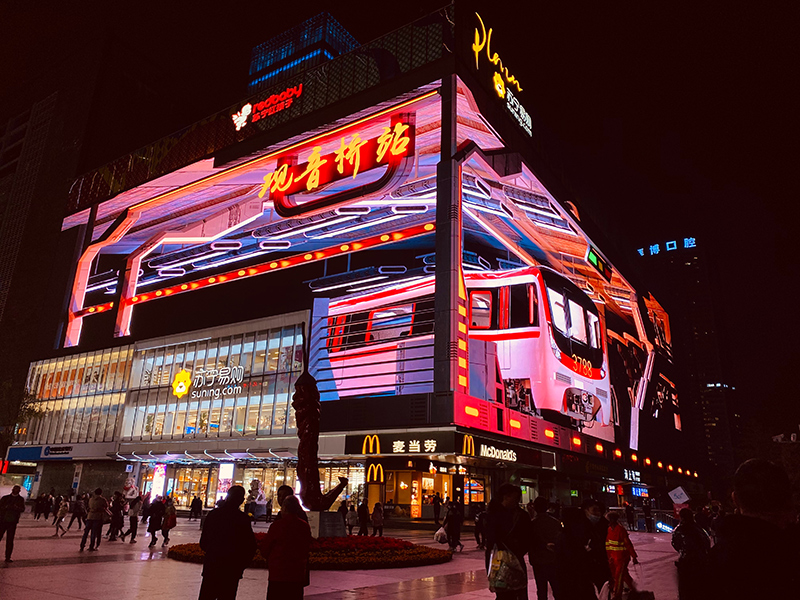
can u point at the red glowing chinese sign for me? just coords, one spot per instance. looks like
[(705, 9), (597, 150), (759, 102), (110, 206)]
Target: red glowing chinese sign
[(354, 155)]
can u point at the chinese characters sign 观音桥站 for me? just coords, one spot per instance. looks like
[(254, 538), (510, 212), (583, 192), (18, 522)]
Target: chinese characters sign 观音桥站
[(351, 155)]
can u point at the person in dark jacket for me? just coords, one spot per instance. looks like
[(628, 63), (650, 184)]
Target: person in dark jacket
[(544, 533), (78, 512), (134, 507), (229, 546), (573, 563), (757, 550), (599, 570), (437, 507), (117, 517), (453, 520), (481, 522), (98, 507), (286, 550), (157, 510), (630, 516), (11, 507), (145, 507), (195, 508), (509, 528), (363, 518), (692, 542)]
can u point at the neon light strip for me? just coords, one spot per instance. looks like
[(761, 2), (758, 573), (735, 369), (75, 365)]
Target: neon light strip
[(266, 267)]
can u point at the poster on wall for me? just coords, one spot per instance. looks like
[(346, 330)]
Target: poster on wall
[(225, 480)]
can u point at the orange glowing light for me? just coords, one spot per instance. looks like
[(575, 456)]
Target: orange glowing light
[(285, 263), (695, 473), (159, 293), (618, 453), (92, 309), (598, 447), (222, 278), (344, 247), (308, 256), (194, 286), (397, 236), (647, 461), (680, 470), (429, 227), (576, 441), (660, 465), (252, 271), (515, 424), (471, 411), (385, 238), (241, 273), (212, 279), (549, 433), (669, 468), (135, 299), (634, 458), (184, 287)]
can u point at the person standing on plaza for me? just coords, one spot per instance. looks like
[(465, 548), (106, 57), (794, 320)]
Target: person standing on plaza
[(98, 508), (155, 519), (47, 505), (453, 520), (757, 551), (692, 542), (56, 506), (117, 516), (286, 551), (170, 519), (620, 551), (268, 510), (134, 508), (648, 516), (146, 507), (481, 522), (283, 493), (509, 528), (229, 546), (573, 562), (62, 513), (78, 511), (544, 533), (363, 518), (195, 508), (377, 520), (597, 525), (351, 520), (437, 507), (11, 507), (342, 510), (630, 516)]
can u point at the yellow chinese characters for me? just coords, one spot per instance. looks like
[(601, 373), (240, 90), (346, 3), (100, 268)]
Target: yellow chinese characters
[(315, 161), (277, 181), (350, 153), (394, 140)]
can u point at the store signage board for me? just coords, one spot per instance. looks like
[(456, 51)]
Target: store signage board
[(405, 443), (679, 495), (251, 113), (503, 82), (208, 383)]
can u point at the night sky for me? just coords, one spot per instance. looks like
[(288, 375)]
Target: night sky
[(667, 120)]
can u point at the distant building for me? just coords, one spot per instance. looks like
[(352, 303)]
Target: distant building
[(309, 44), (678, 272)]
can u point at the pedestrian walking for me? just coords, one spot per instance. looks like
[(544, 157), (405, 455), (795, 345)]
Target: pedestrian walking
[(37, 508), (56, 506), (98, 509), (363, 518), (78, 509), (146, 501), (509, 529), (351, 520), (170, 519), (573, 564), (62, 513), (620, 551), (453, 520), (481, 522), (630, 516), (342, 510), (47, 505), (268, 509), (117, 516), (648, 517), (544, 529), (758, 549), (693, 544), (437, 507), (286, 550), (377, 520), (195, 508), (229, 546), (134, 509), (11, 507), (155, 520)]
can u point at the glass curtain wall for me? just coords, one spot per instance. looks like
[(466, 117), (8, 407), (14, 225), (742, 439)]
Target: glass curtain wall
[(257, 402), (80, 397)]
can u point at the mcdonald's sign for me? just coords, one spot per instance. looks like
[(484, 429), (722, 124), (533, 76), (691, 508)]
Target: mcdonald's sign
[(371, 445), (468, 446), (375, 473)]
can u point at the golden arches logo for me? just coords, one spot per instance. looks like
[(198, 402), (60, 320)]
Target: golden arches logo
[(371, 442), (375, 473), (468, 447), (181, 383)]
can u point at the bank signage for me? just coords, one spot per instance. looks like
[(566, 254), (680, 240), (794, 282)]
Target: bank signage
[(57, 450)]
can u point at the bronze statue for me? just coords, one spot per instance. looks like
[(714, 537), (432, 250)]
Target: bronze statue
[(305, 401)]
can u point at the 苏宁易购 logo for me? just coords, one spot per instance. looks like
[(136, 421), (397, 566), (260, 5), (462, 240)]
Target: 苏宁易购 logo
[(181, 383)]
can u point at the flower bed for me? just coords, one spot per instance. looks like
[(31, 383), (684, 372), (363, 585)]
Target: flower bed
[(342, 553)]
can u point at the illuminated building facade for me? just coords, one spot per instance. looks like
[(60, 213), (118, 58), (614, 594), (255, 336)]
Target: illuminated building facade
[(462, 325)]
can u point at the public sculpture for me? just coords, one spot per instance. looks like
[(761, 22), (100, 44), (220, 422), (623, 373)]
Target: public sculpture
[(305, 401)]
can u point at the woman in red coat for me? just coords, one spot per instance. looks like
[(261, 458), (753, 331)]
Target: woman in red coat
[(620, 551), (286, 549)]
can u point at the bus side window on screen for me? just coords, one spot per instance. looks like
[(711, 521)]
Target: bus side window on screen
[(390, 323), (524, 306), (480, 310)]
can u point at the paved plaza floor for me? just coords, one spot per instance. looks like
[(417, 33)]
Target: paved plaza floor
[(48, 568)]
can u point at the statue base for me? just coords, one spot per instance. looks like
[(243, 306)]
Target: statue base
[(326, 524)]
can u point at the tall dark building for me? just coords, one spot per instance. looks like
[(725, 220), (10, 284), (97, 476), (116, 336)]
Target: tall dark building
[(679, 273), (309, 44)]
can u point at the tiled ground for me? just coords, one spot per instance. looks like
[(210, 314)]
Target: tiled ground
[(47, 568)]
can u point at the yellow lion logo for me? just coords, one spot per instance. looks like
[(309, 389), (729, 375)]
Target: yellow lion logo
[(181, 383), (499, 85)]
